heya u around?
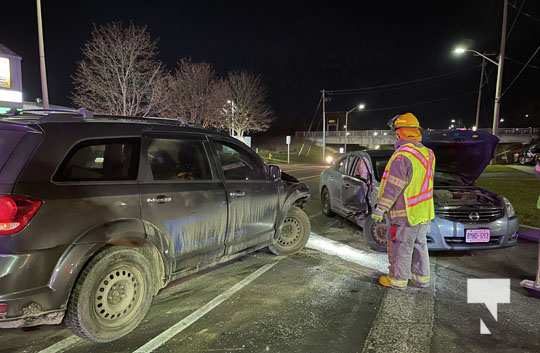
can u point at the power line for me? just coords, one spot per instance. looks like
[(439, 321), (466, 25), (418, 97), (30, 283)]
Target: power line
[(315, 113), (398, 84), (532, 17), (521, 71), (421, 102), (521, 63), (515, 19)]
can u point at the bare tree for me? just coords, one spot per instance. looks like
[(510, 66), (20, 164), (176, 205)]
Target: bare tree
[(119, 73), (196, 95), (247, 109)]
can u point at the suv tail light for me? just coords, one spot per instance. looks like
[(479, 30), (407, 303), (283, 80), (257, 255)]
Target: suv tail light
[(16, 212)]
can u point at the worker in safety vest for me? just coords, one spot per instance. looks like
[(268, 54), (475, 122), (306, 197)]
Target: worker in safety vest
[(406, 196)]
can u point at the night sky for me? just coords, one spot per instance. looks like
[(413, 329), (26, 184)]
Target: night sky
[(300, 48)]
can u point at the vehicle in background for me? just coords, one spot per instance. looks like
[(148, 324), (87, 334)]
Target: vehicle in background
[(467, 217), (529, 155), (97, 214)]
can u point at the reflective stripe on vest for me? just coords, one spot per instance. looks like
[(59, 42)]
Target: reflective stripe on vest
[(418, 194), (426, 192)]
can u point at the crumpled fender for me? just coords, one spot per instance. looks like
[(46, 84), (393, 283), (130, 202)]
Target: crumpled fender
[(291, 193), (124, 232)]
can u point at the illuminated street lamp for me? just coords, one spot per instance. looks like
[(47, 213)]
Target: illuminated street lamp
[(360, 107)]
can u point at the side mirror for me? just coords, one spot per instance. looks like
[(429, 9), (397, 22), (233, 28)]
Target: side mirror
[(274, 171)]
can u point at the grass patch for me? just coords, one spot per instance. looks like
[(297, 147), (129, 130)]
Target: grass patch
[(521, 189), (497, 168)]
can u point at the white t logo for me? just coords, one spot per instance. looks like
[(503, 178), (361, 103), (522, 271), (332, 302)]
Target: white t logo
[(490, 292)]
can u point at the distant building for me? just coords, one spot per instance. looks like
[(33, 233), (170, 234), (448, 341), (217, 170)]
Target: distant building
[(10, 80)]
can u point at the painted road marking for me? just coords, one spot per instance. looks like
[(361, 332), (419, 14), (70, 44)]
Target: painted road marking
[(370, 259), (297, 169), (181, 325), (63, 345), (529, 227), (315, 215), (310, 177)]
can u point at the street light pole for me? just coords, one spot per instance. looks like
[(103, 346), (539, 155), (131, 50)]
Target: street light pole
[(479, 102), (323, 126), (346, 130), (42, 68), (498, 88), (359, 107)]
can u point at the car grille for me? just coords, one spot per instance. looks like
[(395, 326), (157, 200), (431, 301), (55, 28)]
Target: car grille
[(471, 216), (493, 240)]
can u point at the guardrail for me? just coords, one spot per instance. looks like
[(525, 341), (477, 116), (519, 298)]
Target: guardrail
[(370, 133)]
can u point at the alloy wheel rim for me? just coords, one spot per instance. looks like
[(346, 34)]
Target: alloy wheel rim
[(326, 203), (379, 233)]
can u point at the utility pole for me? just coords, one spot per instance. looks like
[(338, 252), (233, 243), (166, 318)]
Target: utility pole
[(346, 129), (479, 103), (498, 89), (42, 68), (323, 126)]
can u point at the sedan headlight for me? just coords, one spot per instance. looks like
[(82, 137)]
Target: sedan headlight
[(510, 212)]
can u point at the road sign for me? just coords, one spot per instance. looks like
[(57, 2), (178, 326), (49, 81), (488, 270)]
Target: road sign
[(288, 142)]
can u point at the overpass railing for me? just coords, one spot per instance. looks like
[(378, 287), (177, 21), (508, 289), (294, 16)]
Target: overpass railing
[(370, 133)]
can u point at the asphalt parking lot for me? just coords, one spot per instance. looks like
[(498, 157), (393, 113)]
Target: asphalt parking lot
[(323, 300)]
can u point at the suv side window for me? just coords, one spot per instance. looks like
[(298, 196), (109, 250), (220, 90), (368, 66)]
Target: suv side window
[(238, 164), (177, 159), (101, 160)]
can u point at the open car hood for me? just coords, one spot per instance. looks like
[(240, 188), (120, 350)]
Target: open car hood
[(462, 152)]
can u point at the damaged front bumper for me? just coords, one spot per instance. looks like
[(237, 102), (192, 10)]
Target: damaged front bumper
[(447, 235)]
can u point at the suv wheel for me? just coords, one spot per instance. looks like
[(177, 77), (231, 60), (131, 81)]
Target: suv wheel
[(376, 234), (293, 233), (111, 296), (325, 201)]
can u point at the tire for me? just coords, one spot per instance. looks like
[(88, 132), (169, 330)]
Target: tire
[(375, 234), (111, 296), (293, 233), (325, 203)]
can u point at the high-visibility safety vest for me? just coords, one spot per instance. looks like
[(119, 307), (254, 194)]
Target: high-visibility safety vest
[(418, 194)]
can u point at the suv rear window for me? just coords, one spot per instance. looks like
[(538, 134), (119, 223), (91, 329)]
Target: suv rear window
[(8, 140), (101, 160)]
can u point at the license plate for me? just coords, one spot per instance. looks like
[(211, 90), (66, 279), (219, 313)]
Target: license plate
[(477, 235)]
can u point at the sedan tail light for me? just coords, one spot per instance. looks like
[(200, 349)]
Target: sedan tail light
[(16, 212)]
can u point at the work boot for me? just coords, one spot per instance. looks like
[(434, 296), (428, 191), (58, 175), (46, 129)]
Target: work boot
[(387, 282)]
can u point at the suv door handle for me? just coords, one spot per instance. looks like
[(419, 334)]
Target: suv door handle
[(236, 194), (159, 199)]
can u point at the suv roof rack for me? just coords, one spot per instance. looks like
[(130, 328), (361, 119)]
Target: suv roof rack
[(82, 112)]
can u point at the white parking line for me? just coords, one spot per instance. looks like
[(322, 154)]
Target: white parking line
[(309, 177), (63, 345), (181, 325), (297, 169)]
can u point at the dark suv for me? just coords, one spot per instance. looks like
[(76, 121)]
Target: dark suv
[(97, 214)]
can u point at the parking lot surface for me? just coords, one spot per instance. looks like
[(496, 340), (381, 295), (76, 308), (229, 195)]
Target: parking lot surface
[(323, 300)]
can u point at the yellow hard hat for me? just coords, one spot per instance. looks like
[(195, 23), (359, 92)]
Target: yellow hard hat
[(404, 120)]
